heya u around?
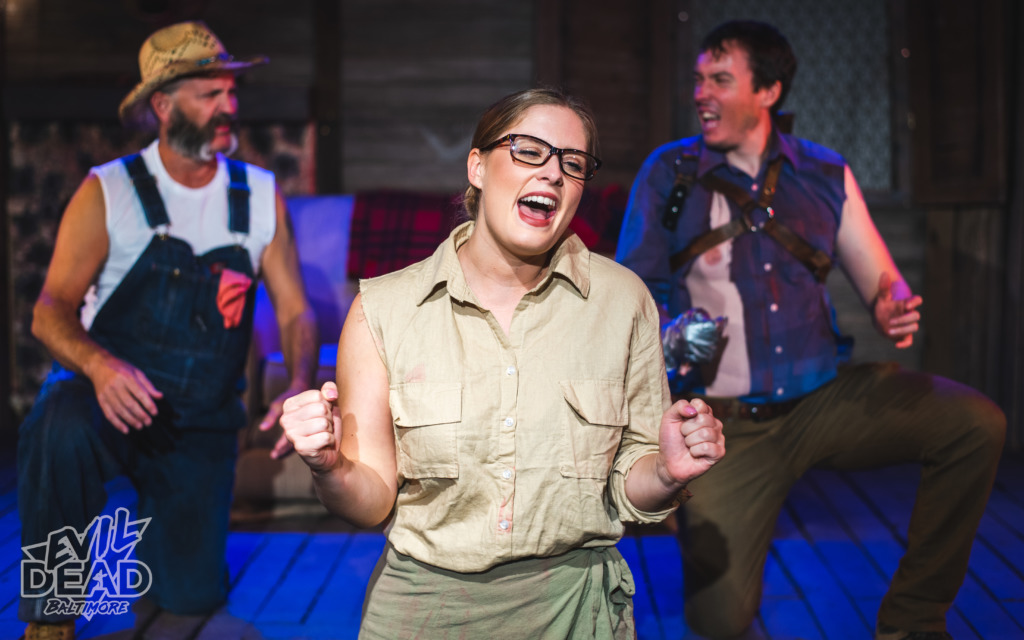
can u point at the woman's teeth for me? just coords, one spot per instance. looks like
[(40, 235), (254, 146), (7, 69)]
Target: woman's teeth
[(542, 203)]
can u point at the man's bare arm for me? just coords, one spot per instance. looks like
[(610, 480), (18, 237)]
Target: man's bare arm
[(295, 318), (870, 267), (124, 393)]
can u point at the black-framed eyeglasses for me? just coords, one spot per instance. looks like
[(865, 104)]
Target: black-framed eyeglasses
[(534, 151)]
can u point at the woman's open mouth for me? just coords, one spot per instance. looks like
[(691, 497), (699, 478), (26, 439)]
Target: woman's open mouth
[(536, 209)]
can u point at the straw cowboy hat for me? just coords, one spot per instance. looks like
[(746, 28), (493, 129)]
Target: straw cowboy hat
[(177, 51)]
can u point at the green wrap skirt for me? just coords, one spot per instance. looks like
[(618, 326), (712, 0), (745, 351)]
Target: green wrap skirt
[(583, 594)]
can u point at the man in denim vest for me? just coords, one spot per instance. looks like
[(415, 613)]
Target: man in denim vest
[(160, 250), (744, 221)]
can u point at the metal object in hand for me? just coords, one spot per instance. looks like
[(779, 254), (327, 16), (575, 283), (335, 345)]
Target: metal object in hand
[(692, 338)]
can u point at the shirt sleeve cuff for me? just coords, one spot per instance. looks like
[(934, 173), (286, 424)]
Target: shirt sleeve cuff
[(628, 512)]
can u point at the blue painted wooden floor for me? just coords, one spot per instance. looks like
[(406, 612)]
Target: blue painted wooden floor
[(837, 542)]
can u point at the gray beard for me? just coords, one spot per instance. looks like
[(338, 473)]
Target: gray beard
[(205, 154), (193, 142)]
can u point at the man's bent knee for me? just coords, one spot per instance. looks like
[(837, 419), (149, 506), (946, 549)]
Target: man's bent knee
[(986, 423), (725, 618), (60, 428)]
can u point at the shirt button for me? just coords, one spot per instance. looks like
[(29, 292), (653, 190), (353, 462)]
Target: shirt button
[(779, 391), (509, 422), (507, 474), (504, 525), (511, 371), (767, 266), (773, 307), (778, 349), (753, 187)]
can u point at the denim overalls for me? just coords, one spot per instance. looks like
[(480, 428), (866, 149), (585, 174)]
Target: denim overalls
[(163, 319)]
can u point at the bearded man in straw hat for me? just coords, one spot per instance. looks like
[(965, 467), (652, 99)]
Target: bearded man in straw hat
[(160, 250)]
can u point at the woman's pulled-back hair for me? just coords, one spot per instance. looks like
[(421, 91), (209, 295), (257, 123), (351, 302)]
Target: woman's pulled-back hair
[(505, 113)]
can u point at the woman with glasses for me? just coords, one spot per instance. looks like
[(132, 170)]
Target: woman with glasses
[(504, 403)]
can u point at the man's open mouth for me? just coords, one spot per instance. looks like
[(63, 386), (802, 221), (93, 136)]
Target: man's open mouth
[(708, 117)]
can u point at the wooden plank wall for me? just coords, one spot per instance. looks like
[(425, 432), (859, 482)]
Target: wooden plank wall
[(619, 57), (76, 60), (959, 93), (6, 297), (1013, 328), (964, 291), (416, 77), (327, 95), (962, 87)]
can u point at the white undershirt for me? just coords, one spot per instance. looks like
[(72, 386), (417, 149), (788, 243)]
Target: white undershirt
[(198, 216)]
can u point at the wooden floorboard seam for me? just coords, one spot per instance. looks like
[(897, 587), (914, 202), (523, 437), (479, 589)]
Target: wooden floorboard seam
[(836, 579), (322, 589)]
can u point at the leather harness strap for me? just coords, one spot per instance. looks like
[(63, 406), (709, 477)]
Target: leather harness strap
[(677, 197), (814, 259), (712, 238)]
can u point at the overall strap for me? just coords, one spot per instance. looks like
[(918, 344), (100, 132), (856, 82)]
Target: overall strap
[(238, 197), (145, 187)]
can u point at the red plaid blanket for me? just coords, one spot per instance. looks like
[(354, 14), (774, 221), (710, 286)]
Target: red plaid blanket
[(393, 229)]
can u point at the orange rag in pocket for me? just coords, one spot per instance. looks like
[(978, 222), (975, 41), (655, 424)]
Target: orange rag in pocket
[(231, 296)]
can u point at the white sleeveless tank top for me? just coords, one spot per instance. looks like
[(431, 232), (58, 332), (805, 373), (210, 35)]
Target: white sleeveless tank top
[(197, 216)]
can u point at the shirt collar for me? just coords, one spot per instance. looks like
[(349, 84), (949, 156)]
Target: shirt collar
[(782, 144), (778, 144), (571, 262)]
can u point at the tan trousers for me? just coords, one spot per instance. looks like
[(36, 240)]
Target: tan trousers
[(585, 594), (872, 415)]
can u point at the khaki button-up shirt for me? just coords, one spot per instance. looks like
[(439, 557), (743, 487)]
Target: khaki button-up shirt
[(515, 446)]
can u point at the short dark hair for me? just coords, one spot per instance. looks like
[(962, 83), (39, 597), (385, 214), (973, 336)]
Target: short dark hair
[(771, 58), (508, 111)]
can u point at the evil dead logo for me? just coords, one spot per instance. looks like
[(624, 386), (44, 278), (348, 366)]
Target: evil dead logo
[(84, 573)]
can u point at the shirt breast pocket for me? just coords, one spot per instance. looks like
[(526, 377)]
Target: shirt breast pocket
[(595, 415), (426, 417)]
